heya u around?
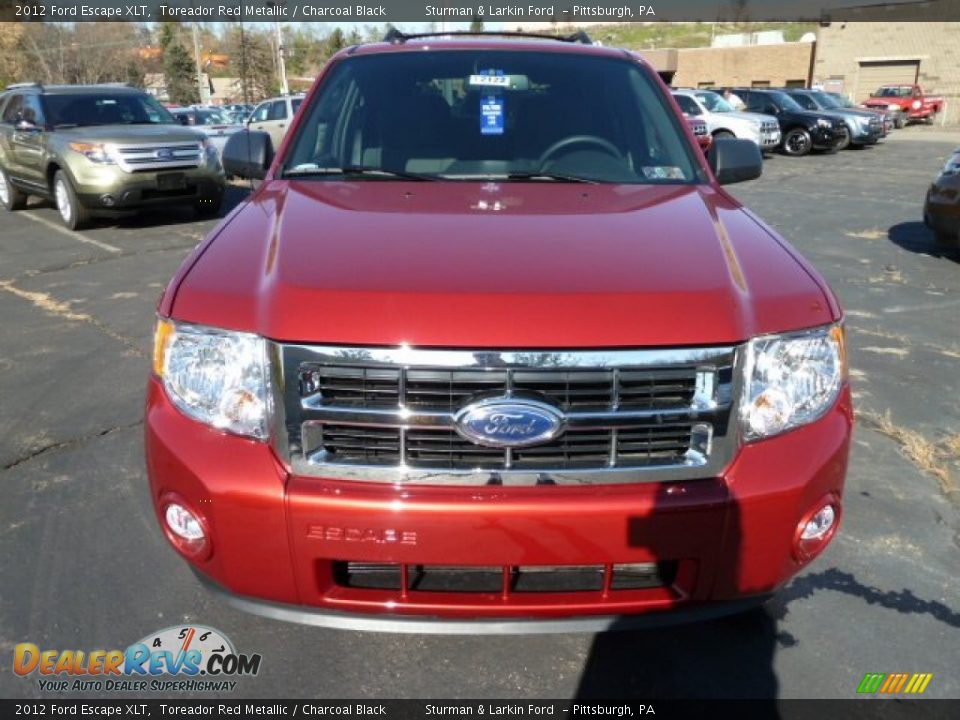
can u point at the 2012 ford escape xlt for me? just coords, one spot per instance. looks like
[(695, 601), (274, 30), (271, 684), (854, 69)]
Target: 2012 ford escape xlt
[(489, 347)]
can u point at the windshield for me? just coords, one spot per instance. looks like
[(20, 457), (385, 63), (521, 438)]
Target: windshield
[(785, 101), (805, 101), (894, 92), (104, 109), (714, 102), (687, 105), (826, 100), (482, 114), (210, 117), (841, 100)]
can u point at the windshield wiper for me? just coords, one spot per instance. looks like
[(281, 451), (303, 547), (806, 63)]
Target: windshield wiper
[(313, 170), (560, 177)]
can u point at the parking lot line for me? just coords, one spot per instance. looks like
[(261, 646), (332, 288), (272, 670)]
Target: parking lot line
[(70, 233)]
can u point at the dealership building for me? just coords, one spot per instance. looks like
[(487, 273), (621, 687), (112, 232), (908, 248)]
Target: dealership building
[(847, 56)]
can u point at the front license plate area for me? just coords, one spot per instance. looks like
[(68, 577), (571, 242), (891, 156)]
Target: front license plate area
[(171, 181)]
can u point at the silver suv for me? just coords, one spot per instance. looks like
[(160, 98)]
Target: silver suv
[(273, 116), (724, 121)]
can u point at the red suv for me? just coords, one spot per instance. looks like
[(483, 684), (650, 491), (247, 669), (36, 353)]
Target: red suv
[(490, 348)]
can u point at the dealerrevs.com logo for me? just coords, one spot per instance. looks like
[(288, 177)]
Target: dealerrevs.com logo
[(183, 658)]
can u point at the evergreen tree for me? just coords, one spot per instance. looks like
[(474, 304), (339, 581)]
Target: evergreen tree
[(179, 72), (336, 42)]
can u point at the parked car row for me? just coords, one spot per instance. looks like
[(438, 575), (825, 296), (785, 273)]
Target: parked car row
[(794, 121)]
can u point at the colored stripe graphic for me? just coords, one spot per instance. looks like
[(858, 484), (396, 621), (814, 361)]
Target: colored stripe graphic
[(894, 683), (871, 682)]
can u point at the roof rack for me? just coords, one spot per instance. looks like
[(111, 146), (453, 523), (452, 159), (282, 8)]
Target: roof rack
[(14, 86), (397, 37)]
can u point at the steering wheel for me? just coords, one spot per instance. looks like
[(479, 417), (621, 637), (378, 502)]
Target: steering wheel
[(605, 145)]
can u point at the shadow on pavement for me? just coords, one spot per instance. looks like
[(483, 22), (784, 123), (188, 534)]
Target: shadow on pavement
[(903, 601), (918, 238), (731, 657)]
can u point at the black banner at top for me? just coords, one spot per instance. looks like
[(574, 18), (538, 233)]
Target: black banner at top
[(447, 13)]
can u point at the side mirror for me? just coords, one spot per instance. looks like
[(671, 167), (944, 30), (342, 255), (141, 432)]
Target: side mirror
[(183, 119), (248, 154), (26, 126), (734, 161)]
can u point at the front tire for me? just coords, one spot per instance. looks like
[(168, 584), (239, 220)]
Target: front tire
[(74, 215), (797, 143), (844, 142), (899, 121), (11, 197), (722, 134)]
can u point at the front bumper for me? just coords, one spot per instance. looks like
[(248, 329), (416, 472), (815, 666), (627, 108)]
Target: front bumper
[(277, 539), (770, 140), (866, 135), (826, 138), (110, 188)]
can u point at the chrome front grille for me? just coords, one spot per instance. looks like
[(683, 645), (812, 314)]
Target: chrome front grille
[(436, 388), (158, 156), (445, 449), (390, 415)]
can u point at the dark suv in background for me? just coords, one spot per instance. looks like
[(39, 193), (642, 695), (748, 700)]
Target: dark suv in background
[(802, 130), (864, 127), (99, 149)]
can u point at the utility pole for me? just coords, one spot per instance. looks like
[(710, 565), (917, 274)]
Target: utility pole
[(243, 65), (281, 64), (196, 54)]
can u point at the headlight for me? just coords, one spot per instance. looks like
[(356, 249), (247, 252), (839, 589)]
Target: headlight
[(791, 380), (210, 151), (893, 107), (215, 376), (824, 123), (94, 152), (953, 165)]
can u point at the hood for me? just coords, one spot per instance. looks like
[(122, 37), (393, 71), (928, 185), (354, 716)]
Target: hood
[(129, 134), (886, 101), (751, 116), (507, 265)]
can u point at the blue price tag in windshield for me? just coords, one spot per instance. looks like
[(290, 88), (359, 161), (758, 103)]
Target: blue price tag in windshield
[(491, 115)]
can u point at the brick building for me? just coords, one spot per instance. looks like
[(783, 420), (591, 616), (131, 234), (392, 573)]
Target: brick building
[(856, 58), (785, 64)]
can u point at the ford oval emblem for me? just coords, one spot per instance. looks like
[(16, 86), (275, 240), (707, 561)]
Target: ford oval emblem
[(164, 154), (509, 422)]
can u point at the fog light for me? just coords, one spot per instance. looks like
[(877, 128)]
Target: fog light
[(183, 523), (816, 529), (820, 524), (108, 200), (186, 530)]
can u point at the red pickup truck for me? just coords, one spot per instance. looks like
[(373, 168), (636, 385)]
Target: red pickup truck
[(490, 348), (908, 101)]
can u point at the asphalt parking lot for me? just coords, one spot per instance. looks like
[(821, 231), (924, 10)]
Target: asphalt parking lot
[(85, 566)]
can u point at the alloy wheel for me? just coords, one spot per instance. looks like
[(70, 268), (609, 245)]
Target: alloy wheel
[(63, 201), (798, 143)]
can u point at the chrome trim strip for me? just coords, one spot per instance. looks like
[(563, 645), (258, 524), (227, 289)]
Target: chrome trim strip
[(402, 417), (523, 359)]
